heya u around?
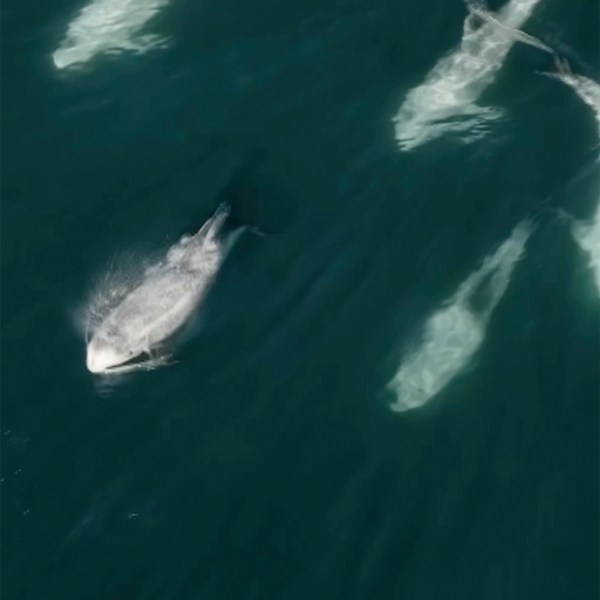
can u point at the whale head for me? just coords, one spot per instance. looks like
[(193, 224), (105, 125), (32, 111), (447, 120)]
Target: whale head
[(104, 354), (70, 55)]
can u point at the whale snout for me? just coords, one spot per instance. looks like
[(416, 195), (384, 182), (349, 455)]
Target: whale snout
[(101, 357), (100, 361), (69, 56)]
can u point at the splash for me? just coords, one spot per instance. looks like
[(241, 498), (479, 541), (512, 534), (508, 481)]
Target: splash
[(586, 234), (445, 102), (108, 26), (132, 318), (454, 333)]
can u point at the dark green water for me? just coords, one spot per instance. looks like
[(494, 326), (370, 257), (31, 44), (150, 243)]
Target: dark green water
[(266, 463)]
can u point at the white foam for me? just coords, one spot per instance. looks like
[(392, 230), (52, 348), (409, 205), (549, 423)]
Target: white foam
[(445, 102), (586, 234), (454, 333), (108, 26)]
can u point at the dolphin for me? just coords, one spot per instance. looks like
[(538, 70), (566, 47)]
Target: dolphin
[(133, 333)]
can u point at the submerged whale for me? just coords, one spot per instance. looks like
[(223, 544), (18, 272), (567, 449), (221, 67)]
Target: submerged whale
[(133, 333), (109, 26), (453, 334)]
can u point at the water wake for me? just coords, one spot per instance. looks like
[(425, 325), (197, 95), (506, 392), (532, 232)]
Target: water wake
[(587, 235), (454, 333), (108, 26), (445, 102)]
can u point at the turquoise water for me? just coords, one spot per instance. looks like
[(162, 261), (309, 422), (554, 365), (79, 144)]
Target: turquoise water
[(267, 463)]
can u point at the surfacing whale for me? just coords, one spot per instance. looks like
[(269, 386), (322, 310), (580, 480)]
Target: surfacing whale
[(446, 102), (132, 335)]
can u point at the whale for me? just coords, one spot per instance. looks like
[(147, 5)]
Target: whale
[(453, 334), (135, 333), (106, 26), (447, 101)]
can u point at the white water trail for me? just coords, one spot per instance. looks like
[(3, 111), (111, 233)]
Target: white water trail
[(586, 234), (454, 333), (135, 317), (108, 26), (446, 101)]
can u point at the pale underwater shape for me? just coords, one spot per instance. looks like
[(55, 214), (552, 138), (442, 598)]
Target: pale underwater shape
[(108, 26), (454, 333), (445, 102), (586, 235), (153, 311), (588, 238)]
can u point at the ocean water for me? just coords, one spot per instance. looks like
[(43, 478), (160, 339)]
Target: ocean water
[(391, 393)]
